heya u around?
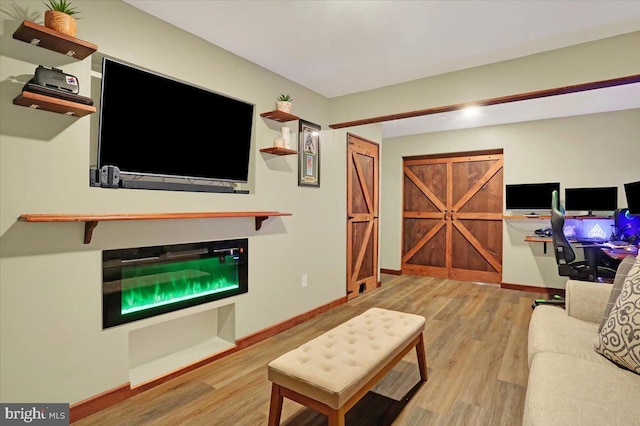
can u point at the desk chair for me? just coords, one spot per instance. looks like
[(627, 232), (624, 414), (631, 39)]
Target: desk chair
[(586, 270)]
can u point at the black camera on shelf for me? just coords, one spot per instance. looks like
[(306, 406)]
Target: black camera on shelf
[(57, 84)]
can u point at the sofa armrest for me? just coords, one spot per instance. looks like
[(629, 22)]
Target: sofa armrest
[(587, 300)]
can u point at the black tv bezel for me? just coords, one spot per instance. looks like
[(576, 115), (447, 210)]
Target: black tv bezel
[(185, 180), (114, 261), (632, 194), (533, 206), (570, 205)]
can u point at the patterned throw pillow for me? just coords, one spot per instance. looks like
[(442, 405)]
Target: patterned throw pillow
[(619, 339), (621, 274)]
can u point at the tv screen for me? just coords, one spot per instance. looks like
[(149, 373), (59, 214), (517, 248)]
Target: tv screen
[(153, 125), (530, 196), (632, 191), (591, 199)]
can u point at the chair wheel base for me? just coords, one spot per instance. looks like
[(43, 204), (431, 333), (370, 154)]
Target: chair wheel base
[(557, 300)]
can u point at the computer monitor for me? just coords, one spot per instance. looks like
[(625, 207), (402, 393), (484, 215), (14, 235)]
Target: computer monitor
[(530, 196), (632, 191), (591, 199), (627, 225)]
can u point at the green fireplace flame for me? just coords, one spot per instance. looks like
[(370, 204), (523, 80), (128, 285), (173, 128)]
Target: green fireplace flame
[(150, 286)]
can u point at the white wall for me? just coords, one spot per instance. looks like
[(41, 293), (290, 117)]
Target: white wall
[(53, 348), (590, 150)]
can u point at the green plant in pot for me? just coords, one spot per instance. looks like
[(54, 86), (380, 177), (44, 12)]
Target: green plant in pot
[(283, 103), (59, 17)]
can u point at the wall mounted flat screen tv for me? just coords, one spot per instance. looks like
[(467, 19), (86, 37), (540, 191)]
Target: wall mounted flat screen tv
[(153, 125), (530, 196), (632, 192), (591, 199)]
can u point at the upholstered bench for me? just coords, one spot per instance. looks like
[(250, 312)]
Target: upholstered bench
[(332, 372)]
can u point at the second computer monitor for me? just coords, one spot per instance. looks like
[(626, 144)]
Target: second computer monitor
[(632, 191), (591, 199)]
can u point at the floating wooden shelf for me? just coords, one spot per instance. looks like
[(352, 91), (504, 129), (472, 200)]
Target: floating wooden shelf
[(279, 151), (280, 116), (39, 35), (91, 220), (48, 103)]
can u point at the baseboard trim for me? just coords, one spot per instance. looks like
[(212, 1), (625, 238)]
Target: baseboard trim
[(549, 291), (543, 290), (84, 408), (93, 404)]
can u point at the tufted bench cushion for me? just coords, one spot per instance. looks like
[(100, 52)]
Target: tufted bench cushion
[(332, 368)]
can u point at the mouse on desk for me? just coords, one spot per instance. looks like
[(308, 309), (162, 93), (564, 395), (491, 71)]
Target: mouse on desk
[(544, 232)]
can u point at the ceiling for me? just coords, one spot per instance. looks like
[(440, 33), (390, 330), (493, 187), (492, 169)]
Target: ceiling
[(337, 48)]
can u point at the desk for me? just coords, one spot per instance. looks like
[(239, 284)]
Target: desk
[(620, 254), (617, 254), (545, 240)]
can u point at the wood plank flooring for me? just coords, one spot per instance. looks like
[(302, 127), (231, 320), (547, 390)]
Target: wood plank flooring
[(476, 347)]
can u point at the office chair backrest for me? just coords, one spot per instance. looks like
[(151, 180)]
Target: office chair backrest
[(561, 246)]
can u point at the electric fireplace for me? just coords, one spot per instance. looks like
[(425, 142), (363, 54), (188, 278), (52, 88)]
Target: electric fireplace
[(142, 282)]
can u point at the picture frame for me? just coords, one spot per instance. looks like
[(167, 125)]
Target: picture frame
[(308, 154)]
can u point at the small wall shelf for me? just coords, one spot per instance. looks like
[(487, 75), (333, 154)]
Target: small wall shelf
[(279, 151), (48, 103), (38, 35), (91, 220), (280, 116)]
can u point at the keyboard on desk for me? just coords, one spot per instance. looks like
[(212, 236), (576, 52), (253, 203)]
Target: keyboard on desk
[(616, 244), (591, 241)]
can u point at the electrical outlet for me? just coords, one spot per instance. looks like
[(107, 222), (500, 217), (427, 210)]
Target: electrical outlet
[(303, 280)]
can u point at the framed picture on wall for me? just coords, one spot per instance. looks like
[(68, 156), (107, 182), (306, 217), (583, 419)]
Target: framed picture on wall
[(309, 154)]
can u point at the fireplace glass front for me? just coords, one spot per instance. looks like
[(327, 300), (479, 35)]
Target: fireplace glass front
[(143, 282)]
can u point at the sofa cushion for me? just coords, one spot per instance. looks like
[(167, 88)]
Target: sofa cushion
[(619, 339), (586, 300), (563, 391), (621, 274), (552, 330)]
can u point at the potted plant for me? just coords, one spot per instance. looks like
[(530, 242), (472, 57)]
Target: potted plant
[(59, 17), (284, 103)]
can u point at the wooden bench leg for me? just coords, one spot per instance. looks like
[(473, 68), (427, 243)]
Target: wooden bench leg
[(275, 409), (336, 417), (422, 360)]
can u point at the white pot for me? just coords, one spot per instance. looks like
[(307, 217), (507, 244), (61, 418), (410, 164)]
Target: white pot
[(283, 106)]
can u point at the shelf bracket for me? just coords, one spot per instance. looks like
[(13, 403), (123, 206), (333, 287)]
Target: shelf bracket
[(89, 226), (259, 220)]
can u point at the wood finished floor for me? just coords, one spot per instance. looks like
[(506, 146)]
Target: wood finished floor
[(476, 348)]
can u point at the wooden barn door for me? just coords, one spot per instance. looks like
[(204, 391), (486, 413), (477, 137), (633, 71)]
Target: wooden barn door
[(452, 216), (362, 215)]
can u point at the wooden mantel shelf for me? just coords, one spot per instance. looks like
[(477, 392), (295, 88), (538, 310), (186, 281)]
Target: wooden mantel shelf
[(91, 220)]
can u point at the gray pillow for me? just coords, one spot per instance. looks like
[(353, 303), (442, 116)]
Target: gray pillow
[(621, 274), (619, 340)]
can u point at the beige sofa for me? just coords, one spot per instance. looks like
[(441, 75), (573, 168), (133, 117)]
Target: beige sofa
[(569, 382)]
